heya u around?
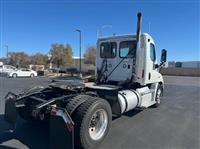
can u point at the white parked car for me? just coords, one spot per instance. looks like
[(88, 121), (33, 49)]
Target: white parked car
[(7, 68), (23, 72)]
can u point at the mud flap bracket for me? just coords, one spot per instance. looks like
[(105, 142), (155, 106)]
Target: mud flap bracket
[(61, 129), (10, 108)]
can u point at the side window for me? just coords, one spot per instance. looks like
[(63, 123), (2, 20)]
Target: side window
[(12, 68), (9, 67), (108, 49), (127, 49), (152, 52)]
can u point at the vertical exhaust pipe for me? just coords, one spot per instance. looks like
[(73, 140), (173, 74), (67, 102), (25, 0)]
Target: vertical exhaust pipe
[(138, 33), (139, 23)]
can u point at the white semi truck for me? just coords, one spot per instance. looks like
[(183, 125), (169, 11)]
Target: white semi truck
[(127, 77)]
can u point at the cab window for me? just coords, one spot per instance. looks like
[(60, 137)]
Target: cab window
[(108, 49), (127, 49), (152, 52)]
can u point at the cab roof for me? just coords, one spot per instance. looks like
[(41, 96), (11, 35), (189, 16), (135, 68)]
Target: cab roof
[(115, 37)]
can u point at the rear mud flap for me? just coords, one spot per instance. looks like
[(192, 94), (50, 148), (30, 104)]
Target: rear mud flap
[(10, 108), (61, 130)]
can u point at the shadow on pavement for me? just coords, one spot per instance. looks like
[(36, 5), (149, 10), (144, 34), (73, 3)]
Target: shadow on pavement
[(129, 114), (31, 135), (132, 112)]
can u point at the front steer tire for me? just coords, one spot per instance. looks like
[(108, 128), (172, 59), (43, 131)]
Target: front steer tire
[(82, 119), (159, 94)]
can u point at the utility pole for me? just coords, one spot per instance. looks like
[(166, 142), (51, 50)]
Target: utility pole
[(78, 30)]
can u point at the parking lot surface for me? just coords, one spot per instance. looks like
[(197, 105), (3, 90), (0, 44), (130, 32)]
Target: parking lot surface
[(175, 124)]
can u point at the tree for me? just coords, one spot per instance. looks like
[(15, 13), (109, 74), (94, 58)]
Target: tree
[(67, 59), (39, 59), (61, 55), (90, 55), (19, 59)]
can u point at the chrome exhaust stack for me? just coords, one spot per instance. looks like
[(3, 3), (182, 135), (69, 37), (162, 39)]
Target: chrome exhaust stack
[(139, 26)]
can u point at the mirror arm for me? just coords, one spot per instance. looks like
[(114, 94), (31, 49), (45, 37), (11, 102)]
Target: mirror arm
[(157, 66), (162, 64)]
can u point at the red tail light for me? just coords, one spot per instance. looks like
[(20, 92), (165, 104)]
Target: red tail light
[(53, 112), (65, 116)]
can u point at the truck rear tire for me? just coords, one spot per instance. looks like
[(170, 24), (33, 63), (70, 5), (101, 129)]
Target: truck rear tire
[(92, 122)]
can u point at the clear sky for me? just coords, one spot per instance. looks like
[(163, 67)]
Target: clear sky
[(33, 25)]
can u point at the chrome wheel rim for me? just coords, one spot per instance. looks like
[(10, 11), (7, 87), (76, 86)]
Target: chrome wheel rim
[(98, 124)]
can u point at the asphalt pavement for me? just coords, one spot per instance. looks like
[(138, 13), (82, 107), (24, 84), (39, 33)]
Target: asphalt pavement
[(175, 124)]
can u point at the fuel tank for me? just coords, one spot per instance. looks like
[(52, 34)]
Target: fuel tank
[(128, 100)]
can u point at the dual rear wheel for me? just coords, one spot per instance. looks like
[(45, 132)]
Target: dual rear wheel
[(92, 122)]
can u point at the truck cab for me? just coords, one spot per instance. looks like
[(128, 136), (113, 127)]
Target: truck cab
[(122, 59), (127, 77)]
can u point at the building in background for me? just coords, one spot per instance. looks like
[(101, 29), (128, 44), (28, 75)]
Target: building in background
[(171, 64), (76, 62), (184, 64), (3, 60), (75, 66), (191, 64), (37, 67), (84, 67), (184, 68)]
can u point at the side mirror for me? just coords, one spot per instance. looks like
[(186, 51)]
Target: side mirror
[(163, 56)]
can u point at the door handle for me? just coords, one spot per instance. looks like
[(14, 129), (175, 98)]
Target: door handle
[(149, 75)]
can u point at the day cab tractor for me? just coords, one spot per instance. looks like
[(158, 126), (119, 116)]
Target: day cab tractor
[(127, 77)]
